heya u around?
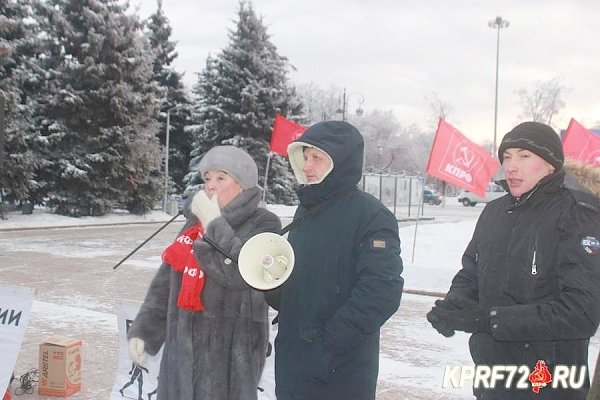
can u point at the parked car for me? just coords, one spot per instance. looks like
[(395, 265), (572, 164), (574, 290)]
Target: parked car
[(432, 197), (492, 192)]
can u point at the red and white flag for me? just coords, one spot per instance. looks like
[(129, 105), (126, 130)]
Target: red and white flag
[(581, 144), (457, 160), (284, 132)]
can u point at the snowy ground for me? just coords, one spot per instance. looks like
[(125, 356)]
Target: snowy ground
[(412, 357)]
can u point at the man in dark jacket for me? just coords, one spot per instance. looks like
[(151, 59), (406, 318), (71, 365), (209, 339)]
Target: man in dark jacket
[(346, 280), (529, 289)]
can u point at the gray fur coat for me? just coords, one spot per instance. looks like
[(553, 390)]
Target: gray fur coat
[(218, 353)]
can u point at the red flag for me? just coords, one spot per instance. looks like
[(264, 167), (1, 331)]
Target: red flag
[(284, 132), (581, 144), (457, 160)]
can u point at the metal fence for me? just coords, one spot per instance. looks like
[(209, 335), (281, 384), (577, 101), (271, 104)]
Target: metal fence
[(398, 193)]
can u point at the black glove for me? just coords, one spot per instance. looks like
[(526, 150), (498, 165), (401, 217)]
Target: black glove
[(432, 316), (467, 316)]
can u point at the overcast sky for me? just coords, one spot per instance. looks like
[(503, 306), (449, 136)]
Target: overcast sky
[(396, 52)]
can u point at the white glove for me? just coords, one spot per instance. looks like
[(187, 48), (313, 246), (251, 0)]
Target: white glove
[(136, 350), (204, 208)]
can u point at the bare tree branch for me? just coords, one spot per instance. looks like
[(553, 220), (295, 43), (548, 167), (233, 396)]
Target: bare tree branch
[(543, 101)]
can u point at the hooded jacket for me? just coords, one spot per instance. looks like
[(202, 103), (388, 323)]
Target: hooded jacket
[(535, 264), (219, 353), (345, 283)]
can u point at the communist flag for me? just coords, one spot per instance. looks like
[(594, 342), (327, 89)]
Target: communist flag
[(457, 160), (581, 144), (284, 132)]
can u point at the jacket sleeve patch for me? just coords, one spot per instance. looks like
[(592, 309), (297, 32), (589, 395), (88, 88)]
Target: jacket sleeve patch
[(378, 244), (590, 245)]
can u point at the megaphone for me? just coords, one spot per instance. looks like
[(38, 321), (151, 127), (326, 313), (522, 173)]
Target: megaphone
[(266, 261)]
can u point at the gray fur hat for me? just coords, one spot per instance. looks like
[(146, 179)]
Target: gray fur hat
[(234, 161)]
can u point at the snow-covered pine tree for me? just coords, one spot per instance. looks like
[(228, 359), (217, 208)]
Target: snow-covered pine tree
[(18, 86), (102, 120), (180, 141), (237, 95)]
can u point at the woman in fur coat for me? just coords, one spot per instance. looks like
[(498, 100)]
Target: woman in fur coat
[(214, 326)]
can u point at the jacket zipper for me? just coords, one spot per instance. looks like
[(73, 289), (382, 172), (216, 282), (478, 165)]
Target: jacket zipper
[(533, 264)]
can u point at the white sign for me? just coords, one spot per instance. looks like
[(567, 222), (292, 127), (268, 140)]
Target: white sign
[(133, 381), (266, 385), (15, 307)]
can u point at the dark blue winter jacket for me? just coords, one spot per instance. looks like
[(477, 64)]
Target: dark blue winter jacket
[(345, 284)]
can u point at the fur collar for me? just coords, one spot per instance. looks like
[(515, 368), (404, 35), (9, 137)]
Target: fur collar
[(241, 207)]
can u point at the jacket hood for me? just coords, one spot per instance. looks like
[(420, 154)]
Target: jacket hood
[(583, 177), (344, 144)]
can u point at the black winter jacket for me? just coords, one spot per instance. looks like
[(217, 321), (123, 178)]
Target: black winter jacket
[(535, 264), (345, 284)]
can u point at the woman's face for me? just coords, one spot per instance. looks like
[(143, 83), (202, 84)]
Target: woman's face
[(221, 184), (316, 164), (523, 170)]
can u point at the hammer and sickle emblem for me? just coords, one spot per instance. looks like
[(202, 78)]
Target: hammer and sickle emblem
[(464, 156)]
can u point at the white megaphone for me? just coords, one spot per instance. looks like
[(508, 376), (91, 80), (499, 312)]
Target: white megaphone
[(266, 261)]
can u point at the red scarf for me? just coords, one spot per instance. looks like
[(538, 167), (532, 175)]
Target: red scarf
[(180, 256)]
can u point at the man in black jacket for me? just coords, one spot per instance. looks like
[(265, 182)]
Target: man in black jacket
[(346, 280), (529, 289)]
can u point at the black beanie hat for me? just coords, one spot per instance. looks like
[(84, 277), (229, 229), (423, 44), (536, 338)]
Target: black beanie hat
[(536, 137)]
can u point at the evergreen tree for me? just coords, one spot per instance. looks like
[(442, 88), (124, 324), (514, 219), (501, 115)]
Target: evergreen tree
[(19, 81), (180, 141), (101, 119), (237, 96)]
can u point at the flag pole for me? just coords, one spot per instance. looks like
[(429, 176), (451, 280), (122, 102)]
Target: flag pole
[(419, 211), (266, 175), (147, 240)]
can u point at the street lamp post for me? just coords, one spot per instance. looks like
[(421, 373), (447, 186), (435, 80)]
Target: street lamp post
[(497, 23), (344, 109), (359, 112), (166, 194)]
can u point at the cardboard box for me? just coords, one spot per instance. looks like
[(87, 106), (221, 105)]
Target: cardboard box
[(60, 366)]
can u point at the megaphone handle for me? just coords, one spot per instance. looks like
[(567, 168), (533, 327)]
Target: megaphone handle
[(219, 249)]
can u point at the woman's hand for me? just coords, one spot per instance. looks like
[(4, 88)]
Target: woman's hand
[(204, 208), (137, 350)]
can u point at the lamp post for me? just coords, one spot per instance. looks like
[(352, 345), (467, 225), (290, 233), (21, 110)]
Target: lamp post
[(359, 111), (344, 109), (497, 23), (166, 194)]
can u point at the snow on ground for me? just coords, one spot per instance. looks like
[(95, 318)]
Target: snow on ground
[(42, 217), (412, 354), (435, 242)]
